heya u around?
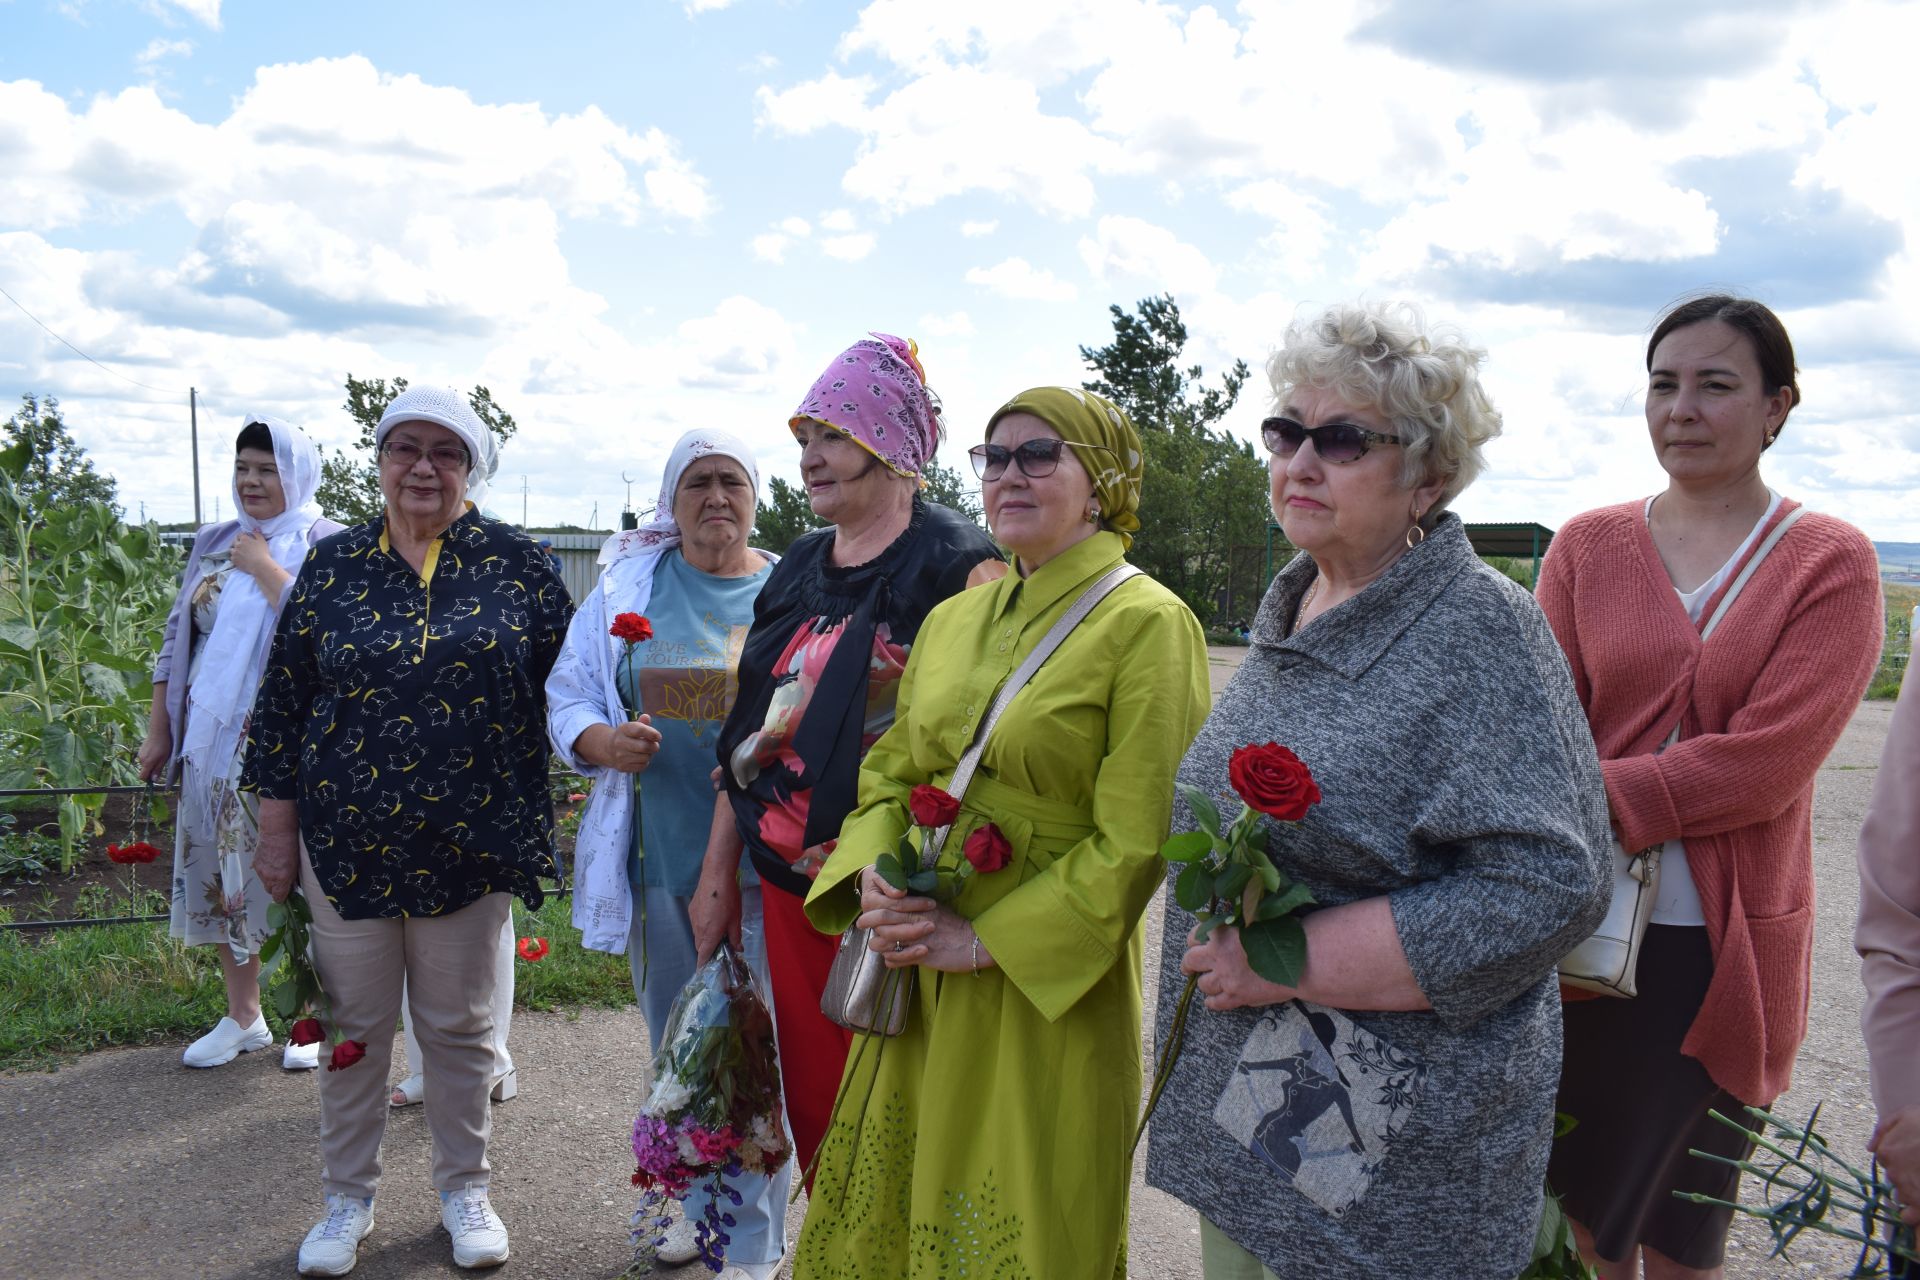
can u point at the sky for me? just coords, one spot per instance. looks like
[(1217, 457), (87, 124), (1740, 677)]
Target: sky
[(628, 218)]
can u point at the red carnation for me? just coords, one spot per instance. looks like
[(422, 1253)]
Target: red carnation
[(1273, 780), (932, 807), (533, 949), (987, 849), (630, 627), (346, 1053), (127, 854), (306, 1031)]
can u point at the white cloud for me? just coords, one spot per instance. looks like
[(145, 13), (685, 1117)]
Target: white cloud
[(1130, 249), (694, 8), (204, 11), (770, 247), (1301, 233), (848, 248), (837, 220), (954, 324), (833, 99), (1018, 278), (738, 347), (158, 48), (796, 227), (974, 229)]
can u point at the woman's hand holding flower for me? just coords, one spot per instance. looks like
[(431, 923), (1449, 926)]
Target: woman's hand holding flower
[(1226, 980), (928, 933), (253, 557), (632, 746)]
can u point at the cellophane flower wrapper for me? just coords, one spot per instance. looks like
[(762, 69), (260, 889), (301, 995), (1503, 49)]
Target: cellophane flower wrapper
[(713, 1110)]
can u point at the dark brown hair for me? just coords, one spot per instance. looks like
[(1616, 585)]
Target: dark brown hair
[(254, 435), (1772, 348)]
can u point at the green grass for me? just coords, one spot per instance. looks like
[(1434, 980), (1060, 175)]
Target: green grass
[(65, 993)]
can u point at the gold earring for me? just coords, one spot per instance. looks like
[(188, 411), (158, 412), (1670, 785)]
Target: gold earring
[(1093, 513), (1414, 529)]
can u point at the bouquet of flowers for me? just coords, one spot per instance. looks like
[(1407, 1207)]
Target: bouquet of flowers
[(1227, 879), (713, 1110)]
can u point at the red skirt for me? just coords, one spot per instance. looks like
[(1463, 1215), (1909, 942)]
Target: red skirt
[(813, 1050)]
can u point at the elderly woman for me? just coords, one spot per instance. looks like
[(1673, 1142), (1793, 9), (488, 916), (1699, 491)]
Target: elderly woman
[(1888, 939), (641, 720), (204, 683), (1724, 967), (818, 679), (992, 1136), (400, 754), (1391, 1113)]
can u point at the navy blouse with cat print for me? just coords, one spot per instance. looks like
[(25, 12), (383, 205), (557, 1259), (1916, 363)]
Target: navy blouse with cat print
[(406, 715)]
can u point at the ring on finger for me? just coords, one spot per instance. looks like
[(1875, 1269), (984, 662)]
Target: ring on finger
[(899, 946)]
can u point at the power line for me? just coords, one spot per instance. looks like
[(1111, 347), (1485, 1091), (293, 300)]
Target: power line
[(77, 351)]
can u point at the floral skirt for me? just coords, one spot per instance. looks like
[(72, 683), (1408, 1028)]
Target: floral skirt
[(216, 895)]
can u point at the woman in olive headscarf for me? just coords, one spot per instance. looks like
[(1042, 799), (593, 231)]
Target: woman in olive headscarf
[(994, 1130)]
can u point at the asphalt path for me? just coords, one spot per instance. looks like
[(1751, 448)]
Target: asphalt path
[(124, 1163)]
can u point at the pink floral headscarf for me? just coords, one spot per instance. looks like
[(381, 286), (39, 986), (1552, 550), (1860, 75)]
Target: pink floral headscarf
[(876, 392)]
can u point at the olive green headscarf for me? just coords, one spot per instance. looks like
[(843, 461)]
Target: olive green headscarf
[(1104, 441)]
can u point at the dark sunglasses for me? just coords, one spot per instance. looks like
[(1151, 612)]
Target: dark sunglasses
[(1335, 442), (1036, 458)]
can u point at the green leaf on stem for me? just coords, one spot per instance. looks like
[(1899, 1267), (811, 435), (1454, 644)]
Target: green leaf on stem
[(1187, 846), (1269, 874), (1191, 889), (1275, 905), (888, 868), (1204, 811), (923, 882), (1228, 884), (1276, 949), (286, 999)]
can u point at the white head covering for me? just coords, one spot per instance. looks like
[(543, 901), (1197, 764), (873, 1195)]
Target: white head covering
[(445, 407), (661, 534), (236, 652)]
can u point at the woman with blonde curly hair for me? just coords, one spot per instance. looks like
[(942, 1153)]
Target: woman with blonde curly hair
[(1391, 1113)]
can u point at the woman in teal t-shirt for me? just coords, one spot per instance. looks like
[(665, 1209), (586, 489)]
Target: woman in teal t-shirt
[(691, 574)]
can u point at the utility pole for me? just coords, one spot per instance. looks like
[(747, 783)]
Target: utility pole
[(193, 426), (523, 504)]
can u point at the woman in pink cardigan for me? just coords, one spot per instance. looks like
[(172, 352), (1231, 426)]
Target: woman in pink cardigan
[(1888, 939), (1723, 974)]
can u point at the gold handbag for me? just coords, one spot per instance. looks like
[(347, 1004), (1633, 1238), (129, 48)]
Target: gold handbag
[(862, 993)]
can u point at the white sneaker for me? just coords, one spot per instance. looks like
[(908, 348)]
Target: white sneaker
[(479, 1237), (333, 1246), (678, 1246), (301, 1057), (227, 1041)]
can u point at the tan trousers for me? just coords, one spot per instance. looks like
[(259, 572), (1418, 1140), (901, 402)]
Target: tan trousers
[(447, 964)]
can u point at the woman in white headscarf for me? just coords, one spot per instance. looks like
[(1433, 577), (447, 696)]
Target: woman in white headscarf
[(203, 686), (642, 719)]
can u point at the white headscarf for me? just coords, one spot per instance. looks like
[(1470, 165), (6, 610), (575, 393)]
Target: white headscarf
[(236, 650), (445, 407), (661, 533)]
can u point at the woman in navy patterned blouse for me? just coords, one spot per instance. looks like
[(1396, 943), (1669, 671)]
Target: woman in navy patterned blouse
[(399, 750)]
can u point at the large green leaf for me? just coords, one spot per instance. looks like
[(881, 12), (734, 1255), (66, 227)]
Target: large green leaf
[(1191, 888), (104, 682), (1275, 905), (20, 636), (1186, 846), (1204, 810), (1276, 949)]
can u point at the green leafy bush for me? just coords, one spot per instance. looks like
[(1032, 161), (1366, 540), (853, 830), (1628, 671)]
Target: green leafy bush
[(83, 602)]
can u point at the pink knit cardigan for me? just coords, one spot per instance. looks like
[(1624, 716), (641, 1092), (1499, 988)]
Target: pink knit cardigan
[(1759, 708)]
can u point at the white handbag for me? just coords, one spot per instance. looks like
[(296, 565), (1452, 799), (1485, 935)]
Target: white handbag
[(1609, 961)]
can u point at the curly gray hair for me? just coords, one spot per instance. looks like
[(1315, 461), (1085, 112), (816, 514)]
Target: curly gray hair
[(1426, 383)]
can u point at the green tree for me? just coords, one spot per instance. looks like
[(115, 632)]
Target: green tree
[(952, 487), (1203, 504), (54, 470), (350, 482), (783, 515)]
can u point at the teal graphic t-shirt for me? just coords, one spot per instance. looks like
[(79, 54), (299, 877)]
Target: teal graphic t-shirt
[(685, 678)]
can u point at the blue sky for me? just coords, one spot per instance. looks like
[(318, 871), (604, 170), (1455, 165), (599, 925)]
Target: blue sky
[(628, 219)]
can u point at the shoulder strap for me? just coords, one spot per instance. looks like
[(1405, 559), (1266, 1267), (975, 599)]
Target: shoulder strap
[(970, 759), (1753, 563)]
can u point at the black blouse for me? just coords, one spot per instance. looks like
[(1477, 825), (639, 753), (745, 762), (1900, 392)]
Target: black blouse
[(407, 717), (928, 562)]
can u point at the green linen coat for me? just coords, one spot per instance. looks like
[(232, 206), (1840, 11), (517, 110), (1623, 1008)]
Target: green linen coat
[(990, 1138)]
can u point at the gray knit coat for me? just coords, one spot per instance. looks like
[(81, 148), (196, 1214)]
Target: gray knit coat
[(1459, 780)]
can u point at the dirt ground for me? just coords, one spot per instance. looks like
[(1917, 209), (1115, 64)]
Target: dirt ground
[(127, 1164)]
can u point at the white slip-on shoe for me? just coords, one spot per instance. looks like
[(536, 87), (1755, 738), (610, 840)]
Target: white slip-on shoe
[(678, 1246), (227, 1041), (479, 1237), (333, 1246), (301, 1057)]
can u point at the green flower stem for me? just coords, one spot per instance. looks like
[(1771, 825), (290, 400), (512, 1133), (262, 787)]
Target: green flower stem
[(1163, 1071)]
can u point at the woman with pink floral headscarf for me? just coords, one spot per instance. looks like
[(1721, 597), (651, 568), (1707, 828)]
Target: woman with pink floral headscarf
[(831, 633)]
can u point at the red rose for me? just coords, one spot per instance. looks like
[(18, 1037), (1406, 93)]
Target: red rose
[(630, 627), (346, 1053), (1273, 780), (532, 949), (306, 1031), (987, 849), (932, 807)]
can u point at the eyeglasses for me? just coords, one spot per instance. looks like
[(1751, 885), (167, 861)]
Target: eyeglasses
[(1334, 442), (1036, 459), (444, 457)]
